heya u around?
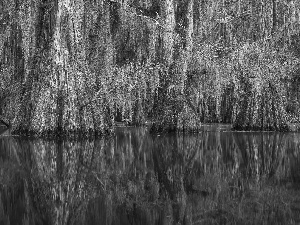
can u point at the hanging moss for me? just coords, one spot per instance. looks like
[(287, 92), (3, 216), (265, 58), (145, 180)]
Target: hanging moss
[(261, 96), (69, 67)]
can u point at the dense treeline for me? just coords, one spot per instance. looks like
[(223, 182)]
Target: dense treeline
[(74, 65)]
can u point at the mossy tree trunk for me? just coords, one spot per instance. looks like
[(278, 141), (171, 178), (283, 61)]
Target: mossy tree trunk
[(176, 55), (54, 95), (162, 101)]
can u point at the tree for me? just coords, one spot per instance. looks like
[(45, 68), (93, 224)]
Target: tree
[(75, 66)]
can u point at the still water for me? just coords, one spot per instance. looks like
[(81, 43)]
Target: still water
[(137, 178)]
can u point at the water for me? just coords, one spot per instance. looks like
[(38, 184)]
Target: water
[(138, 178)]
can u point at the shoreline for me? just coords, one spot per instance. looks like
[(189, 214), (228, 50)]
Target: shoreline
[(204, 127)]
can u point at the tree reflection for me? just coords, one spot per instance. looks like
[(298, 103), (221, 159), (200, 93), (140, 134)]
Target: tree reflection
[(266, 155), (54, 182), (136, 178)]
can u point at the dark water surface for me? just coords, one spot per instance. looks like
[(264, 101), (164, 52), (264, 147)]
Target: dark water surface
[(138, 178)]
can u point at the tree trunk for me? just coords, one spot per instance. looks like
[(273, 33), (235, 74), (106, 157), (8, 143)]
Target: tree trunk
[(170, 106), (53, 101), (189, 39), (274, 12), (168, 15)]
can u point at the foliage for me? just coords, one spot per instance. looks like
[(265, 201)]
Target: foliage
[(259, 75), (77, 66), (131, 85)]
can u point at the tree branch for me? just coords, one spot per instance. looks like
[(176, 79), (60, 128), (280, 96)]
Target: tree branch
[(7, 124)]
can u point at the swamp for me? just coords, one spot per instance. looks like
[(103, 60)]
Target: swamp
[(149, 112)]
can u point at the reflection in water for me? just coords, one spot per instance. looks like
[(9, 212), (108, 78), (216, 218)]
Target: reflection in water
[(137, 178)]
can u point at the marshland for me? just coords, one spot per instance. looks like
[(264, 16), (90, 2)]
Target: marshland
[(149, 112)]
